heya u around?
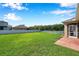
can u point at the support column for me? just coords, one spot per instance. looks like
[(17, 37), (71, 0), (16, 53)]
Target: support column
[(78, 30), (65, 30)]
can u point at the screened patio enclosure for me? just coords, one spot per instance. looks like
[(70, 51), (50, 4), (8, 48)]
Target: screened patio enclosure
[(73, 30)]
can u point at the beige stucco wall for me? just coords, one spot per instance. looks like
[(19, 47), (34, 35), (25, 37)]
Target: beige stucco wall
[(77, 12), (65, 30)]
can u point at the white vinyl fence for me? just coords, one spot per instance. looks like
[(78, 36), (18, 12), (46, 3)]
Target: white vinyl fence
[(55, 32), (17, 31)]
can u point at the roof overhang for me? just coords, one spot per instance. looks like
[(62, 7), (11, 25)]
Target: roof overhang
[(70, 21)]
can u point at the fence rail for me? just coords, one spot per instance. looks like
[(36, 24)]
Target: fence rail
[(17, 31), (27, 31), (55, 32)]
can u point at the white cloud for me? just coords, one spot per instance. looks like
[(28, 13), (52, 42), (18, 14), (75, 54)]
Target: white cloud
[(12, 16), (17, 6), (62, 11), (70, 5)]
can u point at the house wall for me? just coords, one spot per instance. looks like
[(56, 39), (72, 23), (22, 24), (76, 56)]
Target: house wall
[(17, 28), (77, 13), (3, 27), (65, 30), (6, 28), (3, 24)]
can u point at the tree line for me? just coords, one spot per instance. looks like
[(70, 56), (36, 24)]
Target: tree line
[(55, 27)]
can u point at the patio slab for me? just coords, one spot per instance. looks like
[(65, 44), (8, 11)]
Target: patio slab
[(72, 43)]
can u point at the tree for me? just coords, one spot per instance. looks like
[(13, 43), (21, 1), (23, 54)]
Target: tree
[(55, 27)]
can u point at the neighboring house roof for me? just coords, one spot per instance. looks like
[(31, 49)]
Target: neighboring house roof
[(20, 27), (3, 22)]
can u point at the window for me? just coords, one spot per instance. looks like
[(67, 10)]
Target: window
[(1, 28)]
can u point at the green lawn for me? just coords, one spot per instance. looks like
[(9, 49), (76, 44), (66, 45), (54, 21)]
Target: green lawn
[(33, 44)]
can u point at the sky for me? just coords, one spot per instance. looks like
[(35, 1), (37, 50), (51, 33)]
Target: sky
[(31, 14)]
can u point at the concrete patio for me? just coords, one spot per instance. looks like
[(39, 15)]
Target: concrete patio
[(72, 43)]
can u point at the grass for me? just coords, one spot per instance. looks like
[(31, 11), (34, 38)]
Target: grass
[(33, 44)]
